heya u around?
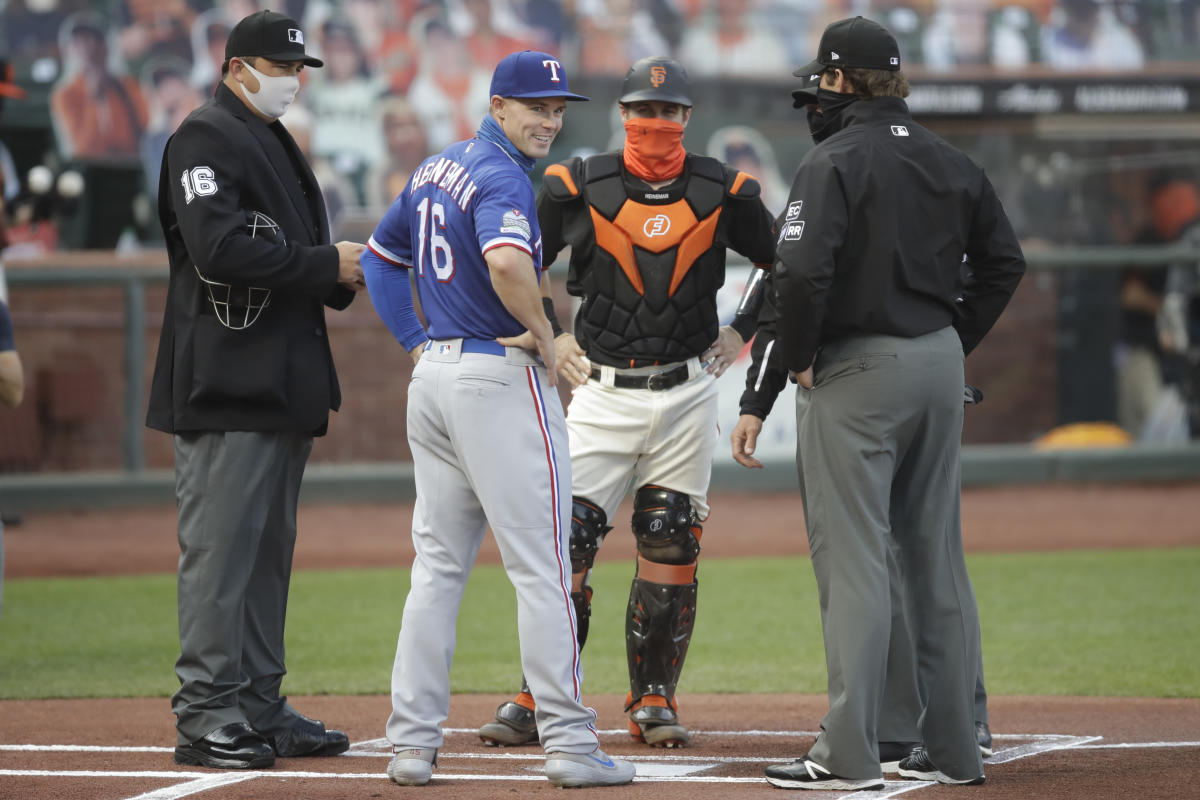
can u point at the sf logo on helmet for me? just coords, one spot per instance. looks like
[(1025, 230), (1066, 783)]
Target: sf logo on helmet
[(656, 226), (658, 76)]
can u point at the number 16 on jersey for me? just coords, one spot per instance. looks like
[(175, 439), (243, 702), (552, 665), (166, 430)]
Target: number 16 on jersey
[(432, 218)]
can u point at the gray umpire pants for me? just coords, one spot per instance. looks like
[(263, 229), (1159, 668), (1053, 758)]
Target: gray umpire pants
[(878, 445), (237, 493)]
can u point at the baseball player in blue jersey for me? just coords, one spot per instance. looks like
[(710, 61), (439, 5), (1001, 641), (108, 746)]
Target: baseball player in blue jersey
[(487, 433)]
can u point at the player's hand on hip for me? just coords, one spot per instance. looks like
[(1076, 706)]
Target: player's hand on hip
[(545, 348), (415, 353), (724, 351), (805, 378), (573, 363), (745, 439), (350, 272), (543, 345)]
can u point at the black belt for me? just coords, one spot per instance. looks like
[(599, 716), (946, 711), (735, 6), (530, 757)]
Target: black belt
[(655, 382)]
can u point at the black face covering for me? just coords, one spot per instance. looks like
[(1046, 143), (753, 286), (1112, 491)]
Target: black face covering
[(825, 120)]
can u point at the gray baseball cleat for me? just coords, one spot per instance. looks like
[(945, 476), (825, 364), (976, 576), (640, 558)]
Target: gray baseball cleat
[(576, 770), (412, 766), (514, 725)]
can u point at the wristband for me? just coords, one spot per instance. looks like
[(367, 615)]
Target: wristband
[(548, 307)]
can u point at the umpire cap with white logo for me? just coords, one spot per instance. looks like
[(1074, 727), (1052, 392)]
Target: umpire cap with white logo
[(656, 78), (856, 42), (270, 35)]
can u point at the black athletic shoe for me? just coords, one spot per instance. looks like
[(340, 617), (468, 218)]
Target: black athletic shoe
[(983, 735), (920, 767), (892, 753), (806, 774)]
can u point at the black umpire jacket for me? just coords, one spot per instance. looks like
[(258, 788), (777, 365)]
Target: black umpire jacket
[(873, 240), (276, 374)]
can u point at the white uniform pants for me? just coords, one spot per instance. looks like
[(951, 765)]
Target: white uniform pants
[(626, 438)]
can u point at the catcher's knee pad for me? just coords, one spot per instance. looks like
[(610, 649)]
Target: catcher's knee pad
[(589, 524), (665, 526), (658, 629)]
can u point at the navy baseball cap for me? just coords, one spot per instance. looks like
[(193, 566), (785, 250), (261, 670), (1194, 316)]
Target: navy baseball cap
[(270, 35), (856, 42), (530, 73)]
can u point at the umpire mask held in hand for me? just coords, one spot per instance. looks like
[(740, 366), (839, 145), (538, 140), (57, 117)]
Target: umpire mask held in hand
[(825, 120), (275, 93)]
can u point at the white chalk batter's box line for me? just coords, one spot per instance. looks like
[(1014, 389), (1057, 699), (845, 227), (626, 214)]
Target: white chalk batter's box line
[(665, 768)]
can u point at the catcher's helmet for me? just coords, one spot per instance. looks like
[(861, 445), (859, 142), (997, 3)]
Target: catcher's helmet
[(656, 78)]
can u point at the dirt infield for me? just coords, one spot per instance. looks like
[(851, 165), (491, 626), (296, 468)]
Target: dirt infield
[(1065, 748), (1057, 517), (1070, 748)]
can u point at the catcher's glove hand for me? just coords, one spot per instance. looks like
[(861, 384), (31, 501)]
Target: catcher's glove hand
[(971, 395)]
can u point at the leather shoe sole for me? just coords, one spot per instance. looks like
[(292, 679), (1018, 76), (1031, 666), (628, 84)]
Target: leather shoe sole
[(232, 746)]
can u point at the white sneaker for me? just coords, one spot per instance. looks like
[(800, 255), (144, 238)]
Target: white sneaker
[(412, 766), (573, 770)]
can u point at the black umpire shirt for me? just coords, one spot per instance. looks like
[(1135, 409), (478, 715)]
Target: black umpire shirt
[(874, 235)]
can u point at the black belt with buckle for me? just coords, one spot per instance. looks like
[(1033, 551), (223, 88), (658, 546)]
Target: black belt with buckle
[(655, 382)]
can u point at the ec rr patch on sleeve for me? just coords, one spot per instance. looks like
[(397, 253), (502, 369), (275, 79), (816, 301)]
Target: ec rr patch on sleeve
[(792, 231), (793, 210), (515, 222)]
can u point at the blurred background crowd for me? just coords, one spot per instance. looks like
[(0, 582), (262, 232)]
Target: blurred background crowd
[(91, 91), (109, 81)]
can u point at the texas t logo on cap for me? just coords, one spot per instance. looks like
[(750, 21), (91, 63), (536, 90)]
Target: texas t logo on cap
[(530, 73)]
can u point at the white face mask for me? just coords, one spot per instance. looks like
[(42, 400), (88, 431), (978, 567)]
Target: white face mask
[(274, 94)]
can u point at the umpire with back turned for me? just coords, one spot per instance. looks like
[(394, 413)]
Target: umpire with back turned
[(875, 315), (244, 380)]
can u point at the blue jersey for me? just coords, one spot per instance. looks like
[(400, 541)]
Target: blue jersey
[(457, 206)]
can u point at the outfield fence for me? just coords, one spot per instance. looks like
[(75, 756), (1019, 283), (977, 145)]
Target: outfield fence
[(133, 478)]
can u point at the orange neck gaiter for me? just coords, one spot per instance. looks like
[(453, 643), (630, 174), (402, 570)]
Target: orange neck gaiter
[(654, 149)]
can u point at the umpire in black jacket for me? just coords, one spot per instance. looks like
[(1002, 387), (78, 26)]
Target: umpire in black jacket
[(244, 379), (875, 314)]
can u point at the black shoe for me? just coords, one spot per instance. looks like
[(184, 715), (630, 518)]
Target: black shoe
[(232, 746), (892, 753), (806, 774), (920, 767), (308, 738), (983, 735)]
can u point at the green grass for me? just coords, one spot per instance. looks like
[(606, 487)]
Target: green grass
[(1081, 622)]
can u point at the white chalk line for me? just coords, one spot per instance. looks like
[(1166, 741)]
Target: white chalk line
[(199, 782)]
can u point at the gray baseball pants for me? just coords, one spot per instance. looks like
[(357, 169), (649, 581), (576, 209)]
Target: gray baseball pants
[(237, 493), (878, 446)]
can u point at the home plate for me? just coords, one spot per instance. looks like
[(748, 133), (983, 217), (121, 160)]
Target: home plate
[(669, 770)]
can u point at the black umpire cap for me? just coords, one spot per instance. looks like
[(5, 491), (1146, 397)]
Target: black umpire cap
[(855, 42), (656, 78), (270, 35)]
